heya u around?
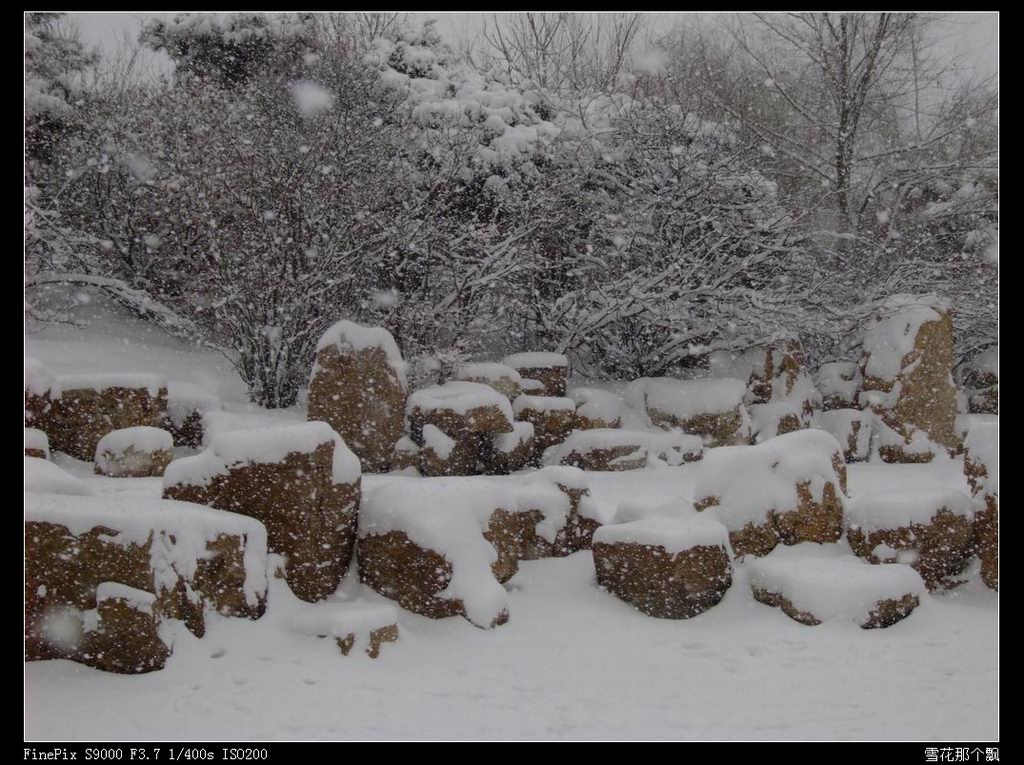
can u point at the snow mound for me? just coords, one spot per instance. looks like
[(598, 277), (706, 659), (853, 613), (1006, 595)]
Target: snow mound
[(458, 396), (37, 440), (184, 399), (686, 399), (536, 360), (982, 446), (543, 404), (141, 438), (486, 370), (43, 477), (39, 380), (890, 338), (98, 382), (828, 584), (596, 404), (900, 509)]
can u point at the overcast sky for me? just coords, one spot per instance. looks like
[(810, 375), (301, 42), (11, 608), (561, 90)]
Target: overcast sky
[(973, 34)]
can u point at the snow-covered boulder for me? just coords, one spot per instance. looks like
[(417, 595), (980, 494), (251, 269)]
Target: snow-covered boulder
[(781, 377), (366, 626), (671, 568), (511, 451), (709, 408), (532, 387), (979, 379), (136, 452), (123, 633), (186, 406), (838, 383), (43, 477), (406, 457), (358, 387), (90, 406), (790, 489), (773, 419), (550, 518), (851, 428), (981, 466), (812, 584), (301, 481), (36, 444), (190, 558), (596, 408), (422, 544), (932, 530), (41, 390), (600, 449), (553, 419), (551, 369), (503, 378), (906, 368)]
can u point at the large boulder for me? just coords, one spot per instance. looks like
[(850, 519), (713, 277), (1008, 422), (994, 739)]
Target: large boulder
[(851, 428), (601, 449), (300, 481), (189, 558), (906, 368), (41, 390), (596, 408), (422, 543), (981, 466), (187, 406), (932, 530), (773, 419), (137, 452), (510, 452), (122, 634), (553, 419), (709, 408), (670, 568), (979, 379), (550, 369), (813, 584), (358, 387), (503, 378), (782, 377), (36, 444), (90, 406), (838, 382), (789, 489)]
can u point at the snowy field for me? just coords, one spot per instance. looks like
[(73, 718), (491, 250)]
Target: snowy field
[(573, 662)]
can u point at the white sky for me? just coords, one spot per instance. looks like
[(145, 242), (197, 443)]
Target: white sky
[(974, 35)]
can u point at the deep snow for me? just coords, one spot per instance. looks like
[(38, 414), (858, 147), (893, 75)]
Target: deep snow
[(573, 662)]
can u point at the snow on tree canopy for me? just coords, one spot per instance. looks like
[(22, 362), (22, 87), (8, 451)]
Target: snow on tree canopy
[(39, 380), (830, 584), (890, 338), (536, 360), (899, 509), (751, 480), (687, 399), (43, 477), (458, 396), (182, 531), (265, 445), (347, 336), (98, 382), (449, 517), (674, 534)]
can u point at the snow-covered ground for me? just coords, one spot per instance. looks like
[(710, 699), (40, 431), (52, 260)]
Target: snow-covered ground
[(573, 662)]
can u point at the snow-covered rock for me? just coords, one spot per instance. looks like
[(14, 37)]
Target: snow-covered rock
[(551, 369), (981, 466), (134, 452), (851, 428), (36, 444), (596, 408)]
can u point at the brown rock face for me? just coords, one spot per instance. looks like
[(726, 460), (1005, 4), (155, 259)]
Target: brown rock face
[(361, 396), (922, 397), (399, 569), (467, 457), (63, 570), (812, 521), (613, 458), (477, 420), (550, 426), (986, 519), (125, 640), (309, 519), (189, 433), (81, 417), (717, 429), (660, 584), (510, 452), (943, 546)]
